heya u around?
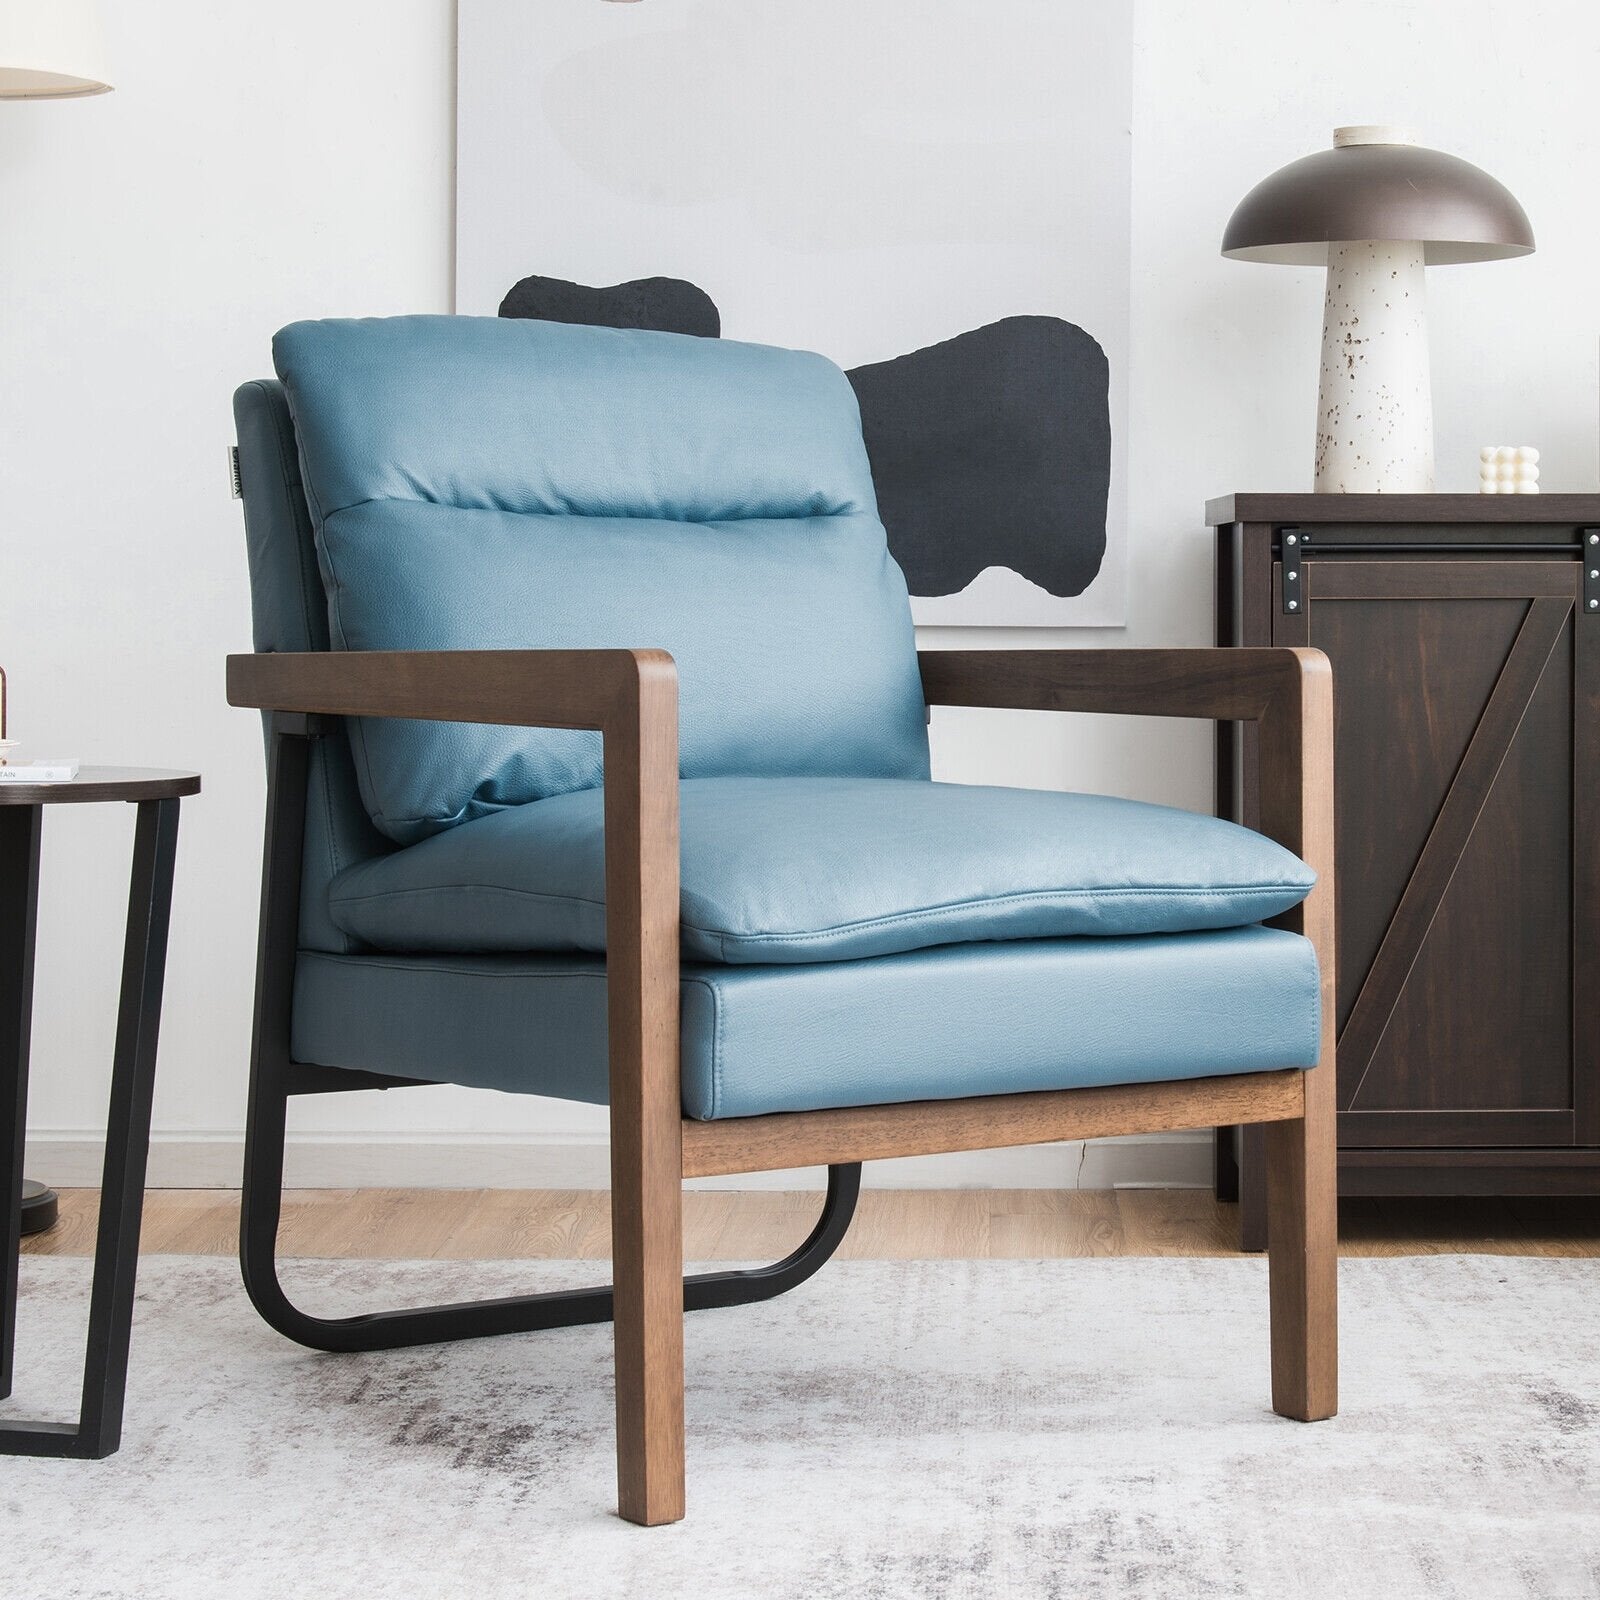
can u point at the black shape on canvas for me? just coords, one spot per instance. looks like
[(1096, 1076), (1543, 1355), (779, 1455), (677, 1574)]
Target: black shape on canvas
[(993, 449), (667, 305)]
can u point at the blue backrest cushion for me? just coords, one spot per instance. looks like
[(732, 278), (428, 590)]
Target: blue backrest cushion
[(482, 483), (289, 611)]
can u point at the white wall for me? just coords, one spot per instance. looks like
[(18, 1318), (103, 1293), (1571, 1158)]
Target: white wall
[(257, 165)]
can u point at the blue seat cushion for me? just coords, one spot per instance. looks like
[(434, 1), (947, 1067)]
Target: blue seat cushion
[(781, 871), (485, 483), (966, 1019)]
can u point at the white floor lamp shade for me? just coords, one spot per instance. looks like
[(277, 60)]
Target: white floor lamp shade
[(51, 50), (1376, 210)]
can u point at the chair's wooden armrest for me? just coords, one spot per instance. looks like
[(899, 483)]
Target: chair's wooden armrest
[(631, 696), (526, 688), (1287, 692), (1221, 685)]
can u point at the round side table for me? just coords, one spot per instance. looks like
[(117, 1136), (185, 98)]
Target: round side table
[(156, 794)]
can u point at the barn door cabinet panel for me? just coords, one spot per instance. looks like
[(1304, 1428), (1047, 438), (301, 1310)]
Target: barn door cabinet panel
[(1464, 632)]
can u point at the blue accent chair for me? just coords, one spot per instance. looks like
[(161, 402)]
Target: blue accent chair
[(598, 768)]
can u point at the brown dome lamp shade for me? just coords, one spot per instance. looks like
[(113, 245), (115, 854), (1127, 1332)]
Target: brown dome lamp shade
[(1375, 210)]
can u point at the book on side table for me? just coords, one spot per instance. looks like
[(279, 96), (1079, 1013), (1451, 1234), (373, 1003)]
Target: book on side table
[(50, 770)]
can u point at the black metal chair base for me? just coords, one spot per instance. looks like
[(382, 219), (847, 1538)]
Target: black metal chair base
[(40, 1207), (480, 1319)]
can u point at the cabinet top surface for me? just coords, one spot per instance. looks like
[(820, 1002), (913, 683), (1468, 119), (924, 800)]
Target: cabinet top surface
[(1412, 508)]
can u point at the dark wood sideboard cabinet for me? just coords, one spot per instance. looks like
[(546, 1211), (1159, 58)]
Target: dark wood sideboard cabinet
[(1464, 632)]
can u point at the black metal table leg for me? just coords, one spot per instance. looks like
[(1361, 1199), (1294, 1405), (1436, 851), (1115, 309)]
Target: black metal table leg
[(98, 1430), (19, 908)]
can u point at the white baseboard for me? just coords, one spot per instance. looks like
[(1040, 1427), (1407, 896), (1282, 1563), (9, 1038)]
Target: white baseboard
[(71, 1159)]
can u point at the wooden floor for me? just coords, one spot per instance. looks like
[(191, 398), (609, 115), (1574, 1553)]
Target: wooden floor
[(891, 1224)]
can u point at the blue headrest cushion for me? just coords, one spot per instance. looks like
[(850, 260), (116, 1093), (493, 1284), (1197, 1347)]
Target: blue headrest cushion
[(486, 483)]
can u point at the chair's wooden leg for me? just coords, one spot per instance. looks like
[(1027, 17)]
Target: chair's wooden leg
[(647, 1257), (1303, 1250), (646, 1106), (1296, 800)]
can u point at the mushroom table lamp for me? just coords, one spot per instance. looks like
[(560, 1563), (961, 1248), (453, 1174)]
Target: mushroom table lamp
[(1376, 210)]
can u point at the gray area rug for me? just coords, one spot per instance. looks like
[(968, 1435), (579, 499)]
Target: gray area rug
[(930, 1430)]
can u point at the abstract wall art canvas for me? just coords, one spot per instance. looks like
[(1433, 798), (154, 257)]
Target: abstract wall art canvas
[(932, 193)]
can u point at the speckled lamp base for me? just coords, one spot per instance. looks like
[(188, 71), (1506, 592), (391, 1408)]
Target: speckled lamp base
[(1375, 402)]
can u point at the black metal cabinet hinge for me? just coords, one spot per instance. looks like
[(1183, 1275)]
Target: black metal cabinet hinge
[(1589, 544), (1291, 550)]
